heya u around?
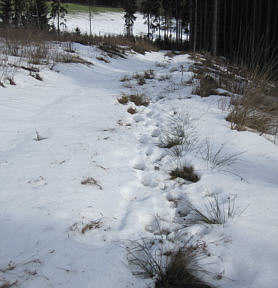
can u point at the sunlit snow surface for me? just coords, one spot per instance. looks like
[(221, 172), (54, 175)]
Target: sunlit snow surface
[(103, 23), (89, 136), (109, 23)]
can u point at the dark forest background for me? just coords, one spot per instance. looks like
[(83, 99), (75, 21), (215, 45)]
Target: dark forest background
[(246, 29)]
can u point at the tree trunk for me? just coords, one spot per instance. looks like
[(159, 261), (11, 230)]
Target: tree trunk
[(215, 28), (195, 25)]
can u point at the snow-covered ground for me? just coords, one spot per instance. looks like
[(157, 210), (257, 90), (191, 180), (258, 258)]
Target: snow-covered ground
[(99, 177), (106, 24)]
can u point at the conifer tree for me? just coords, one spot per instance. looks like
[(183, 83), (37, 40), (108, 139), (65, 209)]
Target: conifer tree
[(6, 11), (37, 14), (130, 10), (58, 11)]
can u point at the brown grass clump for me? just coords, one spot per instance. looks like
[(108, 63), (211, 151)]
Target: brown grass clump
[(148, 258), (207, 86), (69, 58), (256, 108), (186, 173), (179, 274), (131, 110), (139, 99), (123, 100)]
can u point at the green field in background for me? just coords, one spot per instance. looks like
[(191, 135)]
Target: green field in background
[(77, 8)]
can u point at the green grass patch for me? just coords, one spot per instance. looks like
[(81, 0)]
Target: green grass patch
[(79, 8)]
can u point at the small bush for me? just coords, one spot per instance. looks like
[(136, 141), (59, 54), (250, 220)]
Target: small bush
[(186, 173)]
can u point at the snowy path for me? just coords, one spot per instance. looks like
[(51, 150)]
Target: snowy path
[(90, 137), (41, 194)]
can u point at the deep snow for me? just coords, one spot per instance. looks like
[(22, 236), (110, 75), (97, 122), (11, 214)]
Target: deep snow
[(44, 206)]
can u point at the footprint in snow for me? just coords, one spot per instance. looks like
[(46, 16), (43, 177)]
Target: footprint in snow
[(38, 182), (148, 180), (138, 118), (138, 164), (155, 133), (144, 139)]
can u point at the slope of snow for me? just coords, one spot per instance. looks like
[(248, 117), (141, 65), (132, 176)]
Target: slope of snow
[(101, 168)]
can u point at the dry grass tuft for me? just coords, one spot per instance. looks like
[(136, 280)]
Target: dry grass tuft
[(148, 258), (186, 173), (169, 141), (215, 212), (123, 100), (131, 110), (96, 224), (139, 99), (255, 110), (82, 227), (91, 181), (207, 86), (141, 80), (69, 58)]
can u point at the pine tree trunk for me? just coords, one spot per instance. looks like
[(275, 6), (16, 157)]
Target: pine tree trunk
[(215, 28)]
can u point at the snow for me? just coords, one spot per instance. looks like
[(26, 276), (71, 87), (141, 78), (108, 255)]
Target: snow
[(107, 23), (103, 23), (90, 138)]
